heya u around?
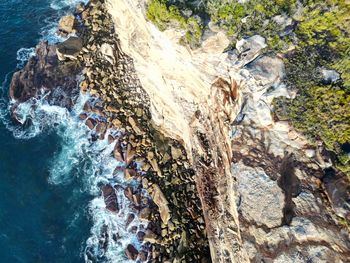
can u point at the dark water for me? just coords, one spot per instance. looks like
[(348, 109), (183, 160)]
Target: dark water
[(39, 222)]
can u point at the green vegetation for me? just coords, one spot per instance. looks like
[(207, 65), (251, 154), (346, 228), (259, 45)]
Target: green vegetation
[(165, 15), (319, 33), (321, 110)]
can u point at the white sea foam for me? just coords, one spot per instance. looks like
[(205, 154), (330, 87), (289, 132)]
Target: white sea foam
[(61, 4), (79, 157), (23, 55), (92, 161)]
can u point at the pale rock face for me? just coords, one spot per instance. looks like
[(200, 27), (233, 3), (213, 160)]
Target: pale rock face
[(249, 48), (319, 254), (260, 199), (108, 52), (179, 82)]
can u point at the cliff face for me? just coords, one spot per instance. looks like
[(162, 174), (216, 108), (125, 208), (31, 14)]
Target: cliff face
[(186, 106), (260, 183)]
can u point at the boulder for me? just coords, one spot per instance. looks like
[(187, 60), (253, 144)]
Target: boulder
[(44, 73), (69, 49), (140, 236), (249, 48), (110, 198), (143, 255), (131, 252), (160, 200), (145, 214), (90, 123), (67, 24), (261, 199), (108, 53), (267, 70), (329, 76)]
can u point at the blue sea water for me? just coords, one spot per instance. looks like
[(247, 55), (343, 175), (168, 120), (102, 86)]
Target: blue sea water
[(51, 207), (39, 221)]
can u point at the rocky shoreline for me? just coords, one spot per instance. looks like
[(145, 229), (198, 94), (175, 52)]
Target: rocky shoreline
[(171, 209), (254, 196)]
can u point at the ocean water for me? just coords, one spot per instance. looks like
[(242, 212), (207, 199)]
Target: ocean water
[(51, 208), (39, 221)]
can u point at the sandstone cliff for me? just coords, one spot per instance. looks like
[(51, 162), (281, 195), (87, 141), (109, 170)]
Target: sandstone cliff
[(268, 202)]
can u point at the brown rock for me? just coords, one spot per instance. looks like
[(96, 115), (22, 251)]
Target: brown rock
[(143, 255), (140, 236), (110, 198), (69, 48), (131, 252), (128, 193), (87, 107), (160, 200), (90, 123), (82, 116), (67, 24), (150, 237), (110, 139), (145, 214), (101, 129), (129, 174), (130, 154), (45, 72)]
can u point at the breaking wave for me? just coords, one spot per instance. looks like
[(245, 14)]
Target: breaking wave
[(80, 158)]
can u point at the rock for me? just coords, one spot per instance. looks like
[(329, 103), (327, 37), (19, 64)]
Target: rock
[(250, 48), (110, 139), (268, 70), (129, 155), (310, 153), (153, 162), (129, 174), (110, 198), (140, 236), (150, 237), (145, 214), (338, 190), (44, 73), (330, 76), (128, 193), (67, 24), (118, 152), (69, 49), (160, 200), (134, 126), (82, 116), (143, 255), (90, 123), (261, 199), (108, 53), (101, 129), (131, 252), (176, 153), (130, 218)]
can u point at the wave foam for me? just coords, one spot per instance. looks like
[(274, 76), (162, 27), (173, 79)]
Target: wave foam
[(23, 55), (92, 164)]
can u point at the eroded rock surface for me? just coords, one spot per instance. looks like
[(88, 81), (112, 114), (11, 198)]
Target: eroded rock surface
[(44, 74)]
